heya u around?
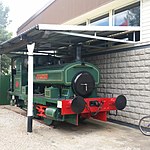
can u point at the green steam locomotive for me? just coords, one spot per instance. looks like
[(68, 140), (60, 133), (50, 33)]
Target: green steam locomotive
[(62, 91)]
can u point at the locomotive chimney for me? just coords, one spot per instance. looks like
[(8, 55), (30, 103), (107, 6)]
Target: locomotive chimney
[(78, 53)]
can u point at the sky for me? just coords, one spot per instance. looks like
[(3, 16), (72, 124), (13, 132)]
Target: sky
[(21, 10)]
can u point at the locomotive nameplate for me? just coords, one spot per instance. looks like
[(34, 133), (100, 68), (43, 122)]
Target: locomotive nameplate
[(41, 76)]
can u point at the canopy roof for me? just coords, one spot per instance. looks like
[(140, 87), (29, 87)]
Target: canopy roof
[(61, 39)]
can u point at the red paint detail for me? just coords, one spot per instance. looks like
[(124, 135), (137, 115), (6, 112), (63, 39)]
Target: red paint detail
[(17, 84), (87, 115), (41, 76), (101, 116), (41, 110), (107, 105)]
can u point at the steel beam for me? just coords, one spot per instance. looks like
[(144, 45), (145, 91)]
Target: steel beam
[(96, 37), (50, 27)]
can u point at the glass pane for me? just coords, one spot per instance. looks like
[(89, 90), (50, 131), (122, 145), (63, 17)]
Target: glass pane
[(128, 17), (100, 21)]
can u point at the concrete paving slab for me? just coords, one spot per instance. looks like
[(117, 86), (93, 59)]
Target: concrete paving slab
[(90, 135)]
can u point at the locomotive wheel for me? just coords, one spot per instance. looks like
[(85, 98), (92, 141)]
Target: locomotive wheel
[(48, 121), (83, 84)]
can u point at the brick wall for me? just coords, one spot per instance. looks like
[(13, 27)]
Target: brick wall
[(127, 73)]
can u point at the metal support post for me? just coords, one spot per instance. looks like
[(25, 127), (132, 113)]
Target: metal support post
[(30, 48)]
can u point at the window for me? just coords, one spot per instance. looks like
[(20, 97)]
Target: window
[(127, 16), (100, 21)]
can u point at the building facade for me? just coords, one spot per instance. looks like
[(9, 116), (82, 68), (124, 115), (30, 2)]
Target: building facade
[(124, 70)]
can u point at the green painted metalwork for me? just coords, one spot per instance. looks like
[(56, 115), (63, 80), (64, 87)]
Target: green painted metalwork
[(51, 112), (52, 92), (67, 92), (20, 78), (48, 121), (72, 119), (4, 87), (17, 83), (51, 84), (63, 74), (72, 69), (25, 90)]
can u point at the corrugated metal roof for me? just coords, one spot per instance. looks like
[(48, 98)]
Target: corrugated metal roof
[(62, 39)]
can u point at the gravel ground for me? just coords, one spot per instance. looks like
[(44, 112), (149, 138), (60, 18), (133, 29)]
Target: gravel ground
[(91, 135)]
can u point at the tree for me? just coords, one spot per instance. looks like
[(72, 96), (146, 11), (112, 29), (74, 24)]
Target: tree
[(4, 35)]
